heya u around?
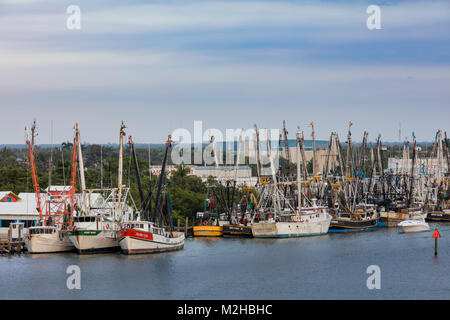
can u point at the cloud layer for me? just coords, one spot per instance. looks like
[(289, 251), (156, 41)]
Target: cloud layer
[(160, 65)]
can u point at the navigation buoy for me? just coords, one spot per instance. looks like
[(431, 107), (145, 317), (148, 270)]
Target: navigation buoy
[(436, 235)]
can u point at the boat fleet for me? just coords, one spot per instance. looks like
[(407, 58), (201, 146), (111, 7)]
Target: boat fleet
[(352, 193)]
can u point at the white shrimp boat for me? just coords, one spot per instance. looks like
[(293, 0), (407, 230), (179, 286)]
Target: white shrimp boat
[(94, 234), (314, 221), (47, 239), (144, 237), (414, 224)]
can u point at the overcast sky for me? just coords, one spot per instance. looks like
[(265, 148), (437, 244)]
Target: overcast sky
[(160, 65)]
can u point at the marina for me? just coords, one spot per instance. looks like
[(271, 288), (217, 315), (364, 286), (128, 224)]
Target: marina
[(332, 266), (305, 220), (219, 156)]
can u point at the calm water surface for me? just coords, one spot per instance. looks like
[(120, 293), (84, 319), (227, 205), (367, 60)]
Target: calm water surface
[(327, 267)]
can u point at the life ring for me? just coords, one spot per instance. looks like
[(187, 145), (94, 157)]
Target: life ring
[(107, 226), (205, 223), (307, 220)]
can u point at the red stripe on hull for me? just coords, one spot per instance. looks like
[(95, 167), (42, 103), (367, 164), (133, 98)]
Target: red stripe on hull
[(134, 234)]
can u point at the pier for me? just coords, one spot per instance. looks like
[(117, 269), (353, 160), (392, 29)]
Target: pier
[(188, 230), (10, 246)]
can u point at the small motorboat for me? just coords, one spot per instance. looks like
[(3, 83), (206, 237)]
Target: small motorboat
[(414, 224)]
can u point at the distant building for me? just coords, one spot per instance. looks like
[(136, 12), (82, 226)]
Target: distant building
[(156, 169), (23, 210), (424, 166), (8, 196), (220, 173)]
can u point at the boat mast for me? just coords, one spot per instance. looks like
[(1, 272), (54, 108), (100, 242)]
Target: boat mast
[(161, 180), (258, 163), (314, 150), (299, 184), (413, 163), (33, 173), (50, 160), (286, 149), (73, 183), (101, 166), (119, 192), (81, 167), (274, 175), (136, 170)]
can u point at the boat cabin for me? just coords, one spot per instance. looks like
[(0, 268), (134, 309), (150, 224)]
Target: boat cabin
[(146, 226), (41, 230)]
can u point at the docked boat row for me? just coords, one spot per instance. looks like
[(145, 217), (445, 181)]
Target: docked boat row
[(293, 197), (100, 220)]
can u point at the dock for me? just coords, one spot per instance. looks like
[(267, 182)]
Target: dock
[(9, 246), (187, 230)]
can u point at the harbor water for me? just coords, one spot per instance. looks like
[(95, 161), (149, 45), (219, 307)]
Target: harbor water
[(333, 266)]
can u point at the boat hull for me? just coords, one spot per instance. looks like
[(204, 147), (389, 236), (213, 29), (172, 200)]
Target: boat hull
[(346, 225), (438, 216), (94, 241), (49, 243), (290, 229), (139, 242), (231, 230), (416, 228), (208, 231)]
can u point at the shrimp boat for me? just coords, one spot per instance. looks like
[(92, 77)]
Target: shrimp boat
[(94, 234), (240, 226), (55, 216), (292, 222), (312, 221), (95, 229), (145, 237), (212, 224), (241, 222), (137, 237), (365, 218), (47, 239)]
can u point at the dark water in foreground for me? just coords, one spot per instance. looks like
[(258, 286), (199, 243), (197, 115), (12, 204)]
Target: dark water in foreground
[(328, 267)]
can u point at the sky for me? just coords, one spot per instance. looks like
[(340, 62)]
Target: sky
[(161, 65)]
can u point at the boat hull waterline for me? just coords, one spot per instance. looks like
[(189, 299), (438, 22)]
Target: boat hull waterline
[(94, 241)]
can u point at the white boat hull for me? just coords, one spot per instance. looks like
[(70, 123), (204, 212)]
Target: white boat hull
[(415, 228), (290, 229), (136, 242), (94, 241), (49, 243)]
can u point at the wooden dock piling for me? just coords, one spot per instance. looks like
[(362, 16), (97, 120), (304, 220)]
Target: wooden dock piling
[(8, 246)]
